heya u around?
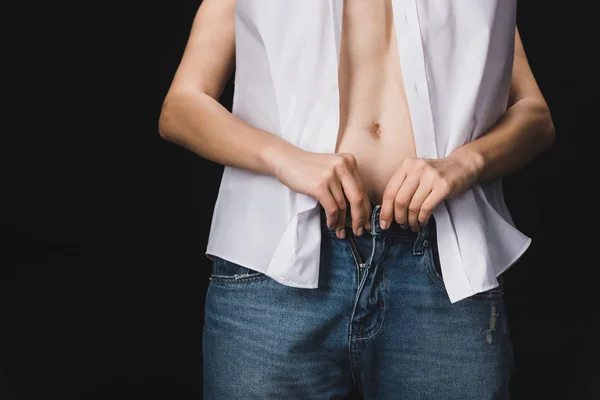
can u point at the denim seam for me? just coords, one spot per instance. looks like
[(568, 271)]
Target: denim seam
[(354, 257), (418, 243), (499, 295), (227, 279), (383, 308), (369, 263), (430, 267), (431, 271), (360, 285)]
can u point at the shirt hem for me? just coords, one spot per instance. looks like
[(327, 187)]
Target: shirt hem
[(276, 279), (519, 255)]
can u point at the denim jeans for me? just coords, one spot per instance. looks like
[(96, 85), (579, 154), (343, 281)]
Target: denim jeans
[(379, 324)]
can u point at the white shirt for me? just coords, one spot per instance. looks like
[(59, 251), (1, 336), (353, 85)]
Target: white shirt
[(456, 59)]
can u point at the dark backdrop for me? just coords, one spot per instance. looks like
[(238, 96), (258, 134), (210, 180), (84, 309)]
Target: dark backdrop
[(104, 276)]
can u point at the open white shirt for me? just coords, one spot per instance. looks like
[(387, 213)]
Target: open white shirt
[(456, 59)]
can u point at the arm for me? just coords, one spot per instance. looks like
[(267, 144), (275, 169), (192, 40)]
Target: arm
[(191, 115), (192, 118), (525, 130)]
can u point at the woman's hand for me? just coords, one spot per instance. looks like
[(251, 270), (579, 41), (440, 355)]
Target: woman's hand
[(419, 185), (331, 178)]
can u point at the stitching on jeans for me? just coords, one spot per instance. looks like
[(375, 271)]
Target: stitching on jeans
[(383, 295), (353, 256), (360, 282), (382, 315), (431, 268), (432, 272), (227, 279), (418, 242), (487, 295)]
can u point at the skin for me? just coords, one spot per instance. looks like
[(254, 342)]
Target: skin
[(192, 117)]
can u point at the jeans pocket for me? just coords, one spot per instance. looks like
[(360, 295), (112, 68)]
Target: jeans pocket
[(434, 269), (435, 272), (227, 272)]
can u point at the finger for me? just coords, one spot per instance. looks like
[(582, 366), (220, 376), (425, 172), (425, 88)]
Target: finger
[(414, 208), (366, 202), (355, 198), (404, 197), (368, 211), (330, 206), (429, 204), (386, 214), (338, 195), (341, 222)]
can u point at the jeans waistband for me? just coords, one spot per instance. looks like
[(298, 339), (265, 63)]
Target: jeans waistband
[(428, 230)]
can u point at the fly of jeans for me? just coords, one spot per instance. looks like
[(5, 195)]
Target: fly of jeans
[(361, 264)]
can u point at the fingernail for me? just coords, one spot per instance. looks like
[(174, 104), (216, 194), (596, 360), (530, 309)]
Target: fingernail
[(359, 231), (383, 224), (342, 234)]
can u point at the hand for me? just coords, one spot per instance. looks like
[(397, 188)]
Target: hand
[(332, 179), (419, 185)]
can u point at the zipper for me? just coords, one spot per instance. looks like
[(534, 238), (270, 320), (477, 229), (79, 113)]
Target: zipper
[(361, 264)]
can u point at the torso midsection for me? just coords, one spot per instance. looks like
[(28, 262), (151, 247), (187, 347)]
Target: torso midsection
[(375, 123)]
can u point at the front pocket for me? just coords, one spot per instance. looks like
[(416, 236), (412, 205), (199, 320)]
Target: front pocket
[(224, 271), (434, 270)]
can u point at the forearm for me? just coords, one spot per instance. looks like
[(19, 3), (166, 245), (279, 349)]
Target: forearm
[(525, 131), (201, 124)]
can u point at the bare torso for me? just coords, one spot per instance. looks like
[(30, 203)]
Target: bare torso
[(375, 122)]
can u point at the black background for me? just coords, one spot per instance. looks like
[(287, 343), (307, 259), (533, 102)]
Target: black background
[(106, 224)]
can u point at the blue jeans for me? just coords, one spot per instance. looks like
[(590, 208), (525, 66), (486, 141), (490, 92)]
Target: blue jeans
[(380, 324)]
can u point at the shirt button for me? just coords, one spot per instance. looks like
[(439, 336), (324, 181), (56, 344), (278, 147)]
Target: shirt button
[(417, 87), (406, 17)]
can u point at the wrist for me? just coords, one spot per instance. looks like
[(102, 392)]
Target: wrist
[(472, 160), (274, 156)]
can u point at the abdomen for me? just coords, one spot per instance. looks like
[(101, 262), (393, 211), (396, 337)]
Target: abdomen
[(375, 123)]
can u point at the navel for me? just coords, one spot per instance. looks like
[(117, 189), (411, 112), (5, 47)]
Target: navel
[(375, 130)]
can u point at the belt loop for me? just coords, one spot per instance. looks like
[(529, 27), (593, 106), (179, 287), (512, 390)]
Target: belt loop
[(421, 241)]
